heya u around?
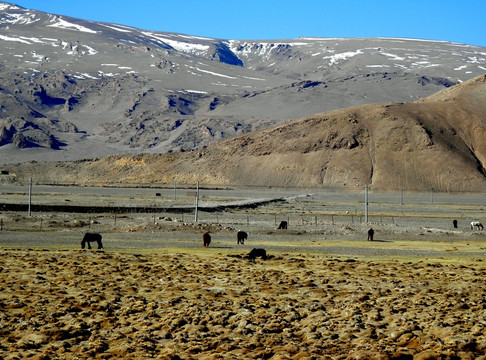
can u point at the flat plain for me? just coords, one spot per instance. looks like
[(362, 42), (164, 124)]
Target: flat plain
[(416, 292)]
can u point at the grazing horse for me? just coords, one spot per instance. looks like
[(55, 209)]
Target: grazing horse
[(89, 237), (206, 239), (454, 223), (241, 236), (477, 224), (257, 253), (283, 225), (371, 233)]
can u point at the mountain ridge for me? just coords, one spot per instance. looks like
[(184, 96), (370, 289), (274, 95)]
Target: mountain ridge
[(432, 144), (73, 89)]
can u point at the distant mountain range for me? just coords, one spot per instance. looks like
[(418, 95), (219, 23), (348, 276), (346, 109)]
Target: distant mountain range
[(72, 89), (434, 144)]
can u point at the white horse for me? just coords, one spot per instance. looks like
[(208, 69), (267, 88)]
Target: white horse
[(477, 224)]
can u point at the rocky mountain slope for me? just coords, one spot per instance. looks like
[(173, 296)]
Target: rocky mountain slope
[(73, 89), (436, 143)]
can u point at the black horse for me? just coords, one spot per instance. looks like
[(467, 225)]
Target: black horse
[(257, 253), (241, 236), (371, 233), (89, 237)]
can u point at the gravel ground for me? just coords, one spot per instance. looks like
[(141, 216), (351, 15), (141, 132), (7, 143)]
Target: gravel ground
[(324, 222)]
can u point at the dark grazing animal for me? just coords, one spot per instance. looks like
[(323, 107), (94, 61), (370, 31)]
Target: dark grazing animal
[(90, 237), (206, 239), (283, 225), (257, 253), (371, 232), (454, 223), (241, 236)]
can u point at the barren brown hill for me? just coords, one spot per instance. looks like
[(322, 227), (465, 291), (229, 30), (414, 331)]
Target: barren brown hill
[(436, 143)]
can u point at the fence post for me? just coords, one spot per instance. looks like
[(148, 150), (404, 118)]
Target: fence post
[(366, 204), (197, 202), (30, 197)]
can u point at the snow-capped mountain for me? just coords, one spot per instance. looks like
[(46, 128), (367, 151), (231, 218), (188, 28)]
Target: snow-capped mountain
[(73, 89)]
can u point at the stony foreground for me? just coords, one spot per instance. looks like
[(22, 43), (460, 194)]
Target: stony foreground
[(88, 304)]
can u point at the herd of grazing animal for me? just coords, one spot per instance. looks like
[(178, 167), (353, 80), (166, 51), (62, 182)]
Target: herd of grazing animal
[(241, 236)]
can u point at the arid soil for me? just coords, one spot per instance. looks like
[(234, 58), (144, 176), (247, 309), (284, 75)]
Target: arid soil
[(418, 291), (74, 304)]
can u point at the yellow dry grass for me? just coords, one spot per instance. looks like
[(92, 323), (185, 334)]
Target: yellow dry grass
[(210, 305)]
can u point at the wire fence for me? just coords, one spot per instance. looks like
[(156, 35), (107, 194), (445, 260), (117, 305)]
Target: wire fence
[(301, 208)]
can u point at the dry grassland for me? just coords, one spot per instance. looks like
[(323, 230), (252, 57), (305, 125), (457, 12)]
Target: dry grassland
[(89, 304), (416, 292)]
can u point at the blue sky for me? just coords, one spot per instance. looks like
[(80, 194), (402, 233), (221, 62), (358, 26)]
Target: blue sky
[(457, 21)]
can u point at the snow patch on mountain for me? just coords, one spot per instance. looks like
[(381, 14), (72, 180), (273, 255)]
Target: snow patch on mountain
[(63, 24), (91, 51), (334, 59), (5, 6), (116, 28), (215, 74), (394, 57), (179, 45), (19, 19), (261, 49), (192, 37), (9, 38)]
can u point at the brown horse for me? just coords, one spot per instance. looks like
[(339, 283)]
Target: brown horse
[(206, 239)]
